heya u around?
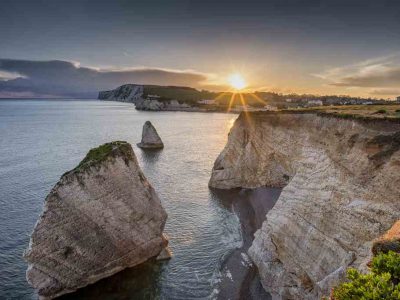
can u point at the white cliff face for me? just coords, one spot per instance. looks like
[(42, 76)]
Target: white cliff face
[(155, 105), (133, 93), (150, 137), (125, 93), (341, 191), (99, 219)]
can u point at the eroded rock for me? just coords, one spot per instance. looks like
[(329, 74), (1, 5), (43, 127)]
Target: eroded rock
[(100, 218), (150, 137), (125, 93)]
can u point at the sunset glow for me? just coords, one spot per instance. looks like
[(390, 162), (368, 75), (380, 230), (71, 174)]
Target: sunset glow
[(237, 81)]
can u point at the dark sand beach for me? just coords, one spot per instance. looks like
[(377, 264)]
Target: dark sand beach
[(239, 276)]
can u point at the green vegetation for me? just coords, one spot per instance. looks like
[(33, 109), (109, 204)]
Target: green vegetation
[(191, 96), (101, 153), (360, 112), (387, 263), (381, 283), (184, 94)]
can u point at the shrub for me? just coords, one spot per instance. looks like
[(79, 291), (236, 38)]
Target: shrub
[(385, 246), (387, 263), (381, 111), (381, 283)]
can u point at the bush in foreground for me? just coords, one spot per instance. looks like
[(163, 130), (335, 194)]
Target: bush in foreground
[(381, 283)]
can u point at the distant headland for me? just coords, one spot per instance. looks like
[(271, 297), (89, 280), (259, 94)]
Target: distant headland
[(181, 98)]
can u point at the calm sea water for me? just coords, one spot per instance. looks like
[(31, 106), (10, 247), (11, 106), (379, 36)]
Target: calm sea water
[(40, 140)]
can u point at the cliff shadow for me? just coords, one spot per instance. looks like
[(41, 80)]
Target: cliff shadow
[(150, 156), (139, 282), (251, 206)]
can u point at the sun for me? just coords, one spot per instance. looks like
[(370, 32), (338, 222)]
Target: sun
[(237, 81)]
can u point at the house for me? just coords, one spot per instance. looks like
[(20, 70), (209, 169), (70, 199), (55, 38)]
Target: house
[(315, 102), (270, 107), (206, 101)]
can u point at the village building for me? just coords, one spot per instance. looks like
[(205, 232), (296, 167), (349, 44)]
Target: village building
[(206, 101)]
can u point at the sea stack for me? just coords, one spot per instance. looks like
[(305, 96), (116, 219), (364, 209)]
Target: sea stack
[(100, 218), (150, 137)]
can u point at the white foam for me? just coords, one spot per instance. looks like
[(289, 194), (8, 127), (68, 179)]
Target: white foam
[(246, 262)]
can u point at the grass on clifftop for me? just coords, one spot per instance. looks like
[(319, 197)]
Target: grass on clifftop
[(101, 153), (182, 94), (369, 112)]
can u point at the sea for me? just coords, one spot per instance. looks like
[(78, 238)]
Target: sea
[(42, 139)]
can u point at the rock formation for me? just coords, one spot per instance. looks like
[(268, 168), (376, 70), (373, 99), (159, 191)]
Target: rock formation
[(100, 218), (125, 93), (155, 105), (150, 137), (134, 93), (341, 191)]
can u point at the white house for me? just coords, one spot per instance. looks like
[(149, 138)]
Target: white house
[(270, 107), (206, 101), (315, 102)]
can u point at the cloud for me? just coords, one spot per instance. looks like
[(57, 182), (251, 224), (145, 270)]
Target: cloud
[(385, 92), (382, 74), (69, 79), (5, 76)]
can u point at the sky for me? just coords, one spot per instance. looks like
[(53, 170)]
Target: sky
[(70, 48)]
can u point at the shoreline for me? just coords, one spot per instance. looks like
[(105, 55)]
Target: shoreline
[(240, 278), (193, 109)]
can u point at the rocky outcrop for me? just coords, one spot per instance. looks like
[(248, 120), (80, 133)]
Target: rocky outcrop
[(167, 105), (134, 93), (125, 93), (341, 191), (100, 218), (150, 137)]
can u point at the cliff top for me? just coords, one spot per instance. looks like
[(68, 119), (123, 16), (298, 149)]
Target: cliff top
[(101, 153), (389, 113), (374, 112)]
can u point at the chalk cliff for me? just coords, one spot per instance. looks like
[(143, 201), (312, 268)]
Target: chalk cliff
[(100, 218), (341, 191), (168, 105), (134, 93), (124, 93)]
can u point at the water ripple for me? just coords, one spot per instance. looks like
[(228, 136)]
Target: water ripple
[(40, 140)]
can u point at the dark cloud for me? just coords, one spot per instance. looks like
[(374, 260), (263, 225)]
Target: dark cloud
[(68, 79)]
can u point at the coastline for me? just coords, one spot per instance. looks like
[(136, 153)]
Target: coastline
[(239, 278), (191, 109)]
